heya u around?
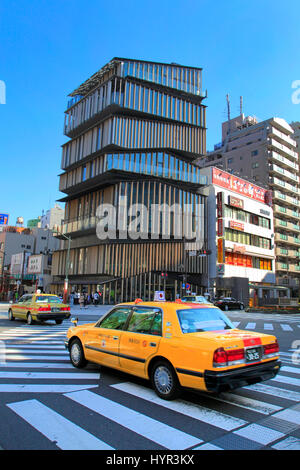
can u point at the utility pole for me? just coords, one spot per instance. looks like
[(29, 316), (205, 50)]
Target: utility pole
[(2, 271), (66, 282)]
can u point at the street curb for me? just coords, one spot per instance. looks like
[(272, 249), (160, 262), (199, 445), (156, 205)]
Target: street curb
[(287, 312)]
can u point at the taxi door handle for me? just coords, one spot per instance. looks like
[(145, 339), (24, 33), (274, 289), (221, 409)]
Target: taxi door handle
[(153, 344), (115, 337)]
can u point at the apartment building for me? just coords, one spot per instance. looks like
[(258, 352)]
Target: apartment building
[(16, 245), (265, 153), (134, 128)]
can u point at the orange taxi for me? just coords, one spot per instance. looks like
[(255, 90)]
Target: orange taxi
[(175, 345), (41, 307)]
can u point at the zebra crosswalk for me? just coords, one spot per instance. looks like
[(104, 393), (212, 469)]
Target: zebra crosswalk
[(28, 351), (268, 327), (89, 413)]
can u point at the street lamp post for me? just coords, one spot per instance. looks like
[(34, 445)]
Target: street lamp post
[(2, 270), (66, 282)]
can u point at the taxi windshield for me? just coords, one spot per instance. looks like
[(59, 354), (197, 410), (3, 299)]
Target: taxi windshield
[(51, 299), (194, 320)]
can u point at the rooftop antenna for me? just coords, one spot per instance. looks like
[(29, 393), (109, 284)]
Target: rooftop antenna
[(228, 112), (241, 105)]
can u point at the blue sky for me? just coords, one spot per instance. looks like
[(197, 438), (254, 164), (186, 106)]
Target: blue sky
[(49, 47)]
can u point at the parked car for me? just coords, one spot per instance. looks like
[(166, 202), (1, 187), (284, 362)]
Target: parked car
[(31, 307), (229, 303), (195, 298), (175, 345)]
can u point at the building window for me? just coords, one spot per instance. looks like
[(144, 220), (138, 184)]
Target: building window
[(254, 153), (230, 160), (83, 175), (255, 165)]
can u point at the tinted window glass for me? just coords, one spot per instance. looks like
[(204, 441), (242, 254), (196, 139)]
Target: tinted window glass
[(145, 320), (46, 299), (203, 319), (116, 320), (156, 328)]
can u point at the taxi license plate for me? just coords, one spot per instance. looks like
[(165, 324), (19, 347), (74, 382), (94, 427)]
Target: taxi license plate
[(55, 310), (253, 354)]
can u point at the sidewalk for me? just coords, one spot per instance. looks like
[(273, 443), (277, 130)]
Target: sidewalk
[(75, 309)]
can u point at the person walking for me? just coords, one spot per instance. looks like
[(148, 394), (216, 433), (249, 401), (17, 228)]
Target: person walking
[(82, 300), (96, 299)]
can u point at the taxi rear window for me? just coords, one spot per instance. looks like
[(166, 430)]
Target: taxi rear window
[(46, 299), (195, 320)]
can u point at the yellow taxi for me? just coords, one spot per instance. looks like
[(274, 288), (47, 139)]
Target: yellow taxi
[(175, 345), (40, 307)]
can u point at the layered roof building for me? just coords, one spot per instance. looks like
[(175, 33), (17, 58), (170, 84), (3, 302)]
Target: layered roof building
[(135, 128)]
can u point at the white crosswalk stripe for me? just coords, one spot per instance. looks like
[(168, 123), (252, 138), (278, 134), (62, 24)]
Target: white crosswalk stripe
[(28, 352), (156, 431), (251, 325), (291, 443), (248, 403), (286, 380), (67, 435), (286, 327), (215, 418)]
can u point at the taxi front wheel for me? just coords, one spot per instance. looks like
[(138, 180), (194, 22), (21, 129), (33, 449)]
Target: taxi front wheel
[(77, 355), (10, 315), (164, 381)]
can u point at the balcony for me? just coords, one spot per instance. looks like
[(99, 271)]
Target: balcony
[(284, 224), (291, 268), (284, 174), (282, 149), (283, 211), (274, 156), (283, 185), (285, 239), (283, 138), (285, 198), (287, 253)]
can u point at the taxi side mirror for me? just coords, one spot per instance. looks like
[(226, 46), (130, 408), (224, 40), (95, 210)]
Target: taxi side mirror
[(75, 321)]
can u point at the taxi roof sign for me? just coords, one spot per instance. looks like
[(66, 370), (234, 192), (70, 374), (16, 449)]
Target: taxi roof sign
[(159, 295)]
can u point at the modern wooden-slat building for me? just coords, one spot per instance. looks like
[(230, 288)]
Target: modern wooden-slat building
[(134, 130)]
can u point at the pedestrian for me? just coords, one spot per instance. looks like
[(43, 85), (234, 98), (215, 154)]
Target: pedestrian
[(96, 299), (81, 300)]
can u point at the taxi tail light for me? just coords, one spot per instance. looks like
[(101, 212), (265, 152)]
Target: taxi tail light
[(44, 309), (235, 355), (222, 357), (65, 309), (271, 348)]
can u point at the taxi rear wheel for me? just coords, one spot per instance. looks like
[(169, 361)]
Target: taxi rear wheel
[(10, 315), (164, 381), (76, 354), (29, 319), (58, 322)]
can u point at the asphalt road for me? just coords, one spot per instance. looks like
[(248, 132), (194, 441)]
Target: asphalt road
[(45, 403)]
